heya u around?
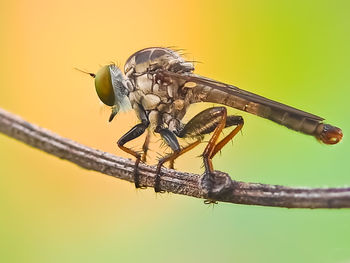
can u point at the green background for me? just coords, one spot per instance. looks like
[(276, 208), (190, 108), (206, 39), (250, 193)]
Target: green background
[(296, 52)]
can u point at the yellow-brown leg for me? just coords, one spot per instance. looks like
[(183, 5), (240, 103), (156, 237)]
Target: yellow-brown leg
[(171, 158), (214, 147), (145, 146), (225, 140), (170, 139), (211, 120), (209, 149)]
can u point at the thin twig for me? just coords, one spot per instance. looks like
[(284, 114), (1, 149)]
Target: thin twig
[(224, 189)]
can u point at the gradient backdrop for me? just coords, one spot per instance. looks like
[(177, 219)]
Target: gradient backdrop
[(296, 52)]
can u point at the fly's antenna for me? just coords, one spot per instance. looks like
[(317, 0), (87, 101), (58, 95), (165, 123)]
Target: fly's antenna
[(86, 72)]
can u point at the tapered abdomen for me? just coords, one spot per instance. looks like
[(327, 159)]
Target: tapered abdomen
[(208, 91)]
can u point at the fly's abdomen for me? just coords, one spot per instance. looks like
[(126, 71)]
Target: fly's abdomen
[(282, 114), (292, 121), (328, 134)]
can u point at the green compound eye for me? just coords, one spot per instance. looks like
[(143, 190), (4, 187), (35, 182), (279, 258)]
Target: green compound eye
[(104, 87)]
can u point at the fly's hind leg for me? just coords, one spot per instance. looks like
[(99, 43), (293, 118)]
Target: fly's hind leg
[(212, 120), (214, 147), (171, 140)]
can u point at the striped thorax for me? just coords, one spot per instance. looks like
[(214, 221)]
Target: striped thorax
[(161, 98)]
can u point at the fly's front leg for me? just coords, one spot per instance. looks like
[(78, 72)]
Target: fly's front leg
[(135, 132), (171, 164), (145, 146), (171, 140), (211, 120)]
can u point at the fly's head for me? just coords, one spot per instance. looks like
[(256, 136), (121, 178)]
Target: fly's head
[(111, 89)]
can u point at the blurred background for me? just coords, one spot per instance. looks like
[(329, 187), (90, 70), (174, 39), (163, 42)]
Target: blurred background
[(296, 52)]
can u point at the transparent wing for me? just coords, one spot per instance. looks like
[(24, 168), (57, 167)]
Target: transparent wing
[(235, 93)]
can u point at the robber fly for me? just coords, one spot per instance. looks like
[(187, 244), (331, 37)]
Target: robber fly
[(160, 85)]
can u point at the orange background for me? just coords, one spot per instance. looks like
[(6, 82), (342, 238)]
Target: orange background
[(296, 52)]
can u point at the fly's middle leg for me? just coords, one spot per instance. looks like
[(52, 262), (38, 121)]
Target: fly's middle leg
[(170, 139)]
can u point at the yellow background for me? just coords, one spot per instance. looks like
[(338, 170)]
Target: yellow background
[(296, 52)]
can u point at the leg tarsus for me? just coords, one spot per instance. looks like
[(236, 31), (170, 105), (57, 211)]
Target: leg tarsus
[(216, 186), (158, 173), (136, 174), (210, 202)]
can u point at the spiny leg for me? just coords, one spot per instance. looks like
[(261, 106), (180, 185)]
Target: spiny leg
[(171, 140), (206, 122), (135, 132), (228, 138), (221, 112), (213, 148), (212, 119), (171, 158), (208, 181)]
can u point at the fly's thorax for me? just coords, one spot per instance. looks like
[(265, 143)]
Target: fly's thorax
[(144, 83), (151, 94), (148, 101), (156, 58), (156, 96)]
